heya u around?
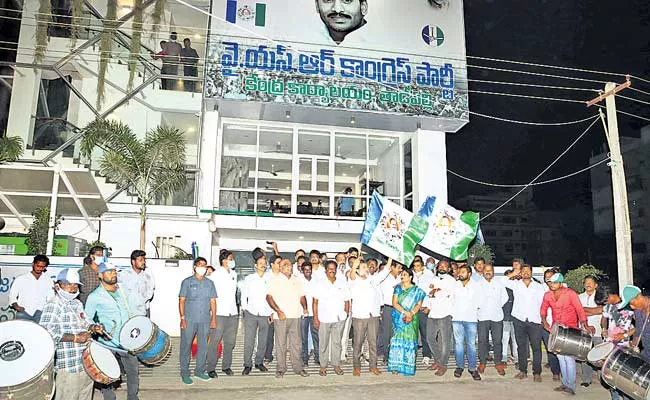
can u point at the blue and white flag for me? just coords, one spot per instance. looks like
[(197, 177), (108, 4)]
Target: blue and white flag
[(450, 230), (392, 230)]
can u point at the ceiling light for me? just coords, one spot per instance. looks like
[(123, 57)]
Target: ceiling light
[(191, 129), (353, 120), (287, 115), (301, 237), (288, 187), (344, 174), (197, 36)]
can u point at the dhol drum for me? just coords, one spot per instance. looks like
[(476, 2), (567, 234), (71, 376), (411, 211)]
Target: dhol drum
[(26, 361), (143, 338), (570, 342), (626, 371), (599, 353), (100, 364)]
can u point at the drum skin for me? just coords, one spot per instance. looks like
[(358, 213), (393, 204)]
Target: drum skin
[(626, 371), (599, 354), (570, 341), (93, 370), (156, 348)]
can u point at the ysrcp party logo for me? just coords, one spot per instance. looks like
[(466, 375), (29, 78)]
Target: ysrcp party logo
[(245, 13), (433, 35), (393, 226)]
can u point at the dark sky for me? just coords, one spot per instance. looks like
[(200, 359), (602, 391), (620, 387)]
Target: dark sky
[(589, 34)]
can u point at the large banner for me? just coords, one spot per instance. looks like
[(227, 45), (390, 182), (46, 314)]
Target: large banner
[(402, 57)]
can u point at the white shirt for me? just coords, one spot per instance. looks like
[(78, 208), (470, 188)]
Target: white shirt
[(424, 282), (387, 283), (527, 300), (140, 288), (331, 300), (253, 295), (466, 301), (31, 293), (319, 274), (366, 298), (309, 287), (442, 303), (492, 297), (593, 320), (225, 281)]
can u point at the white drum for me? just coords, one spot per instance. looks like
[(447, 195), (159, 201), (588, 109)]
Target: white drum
[(26, 361), (599, 353), (136, 333), (100, 364)]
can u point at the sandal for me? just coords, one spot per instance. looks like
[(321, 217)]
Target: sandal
[(338, 371), (322, 372)]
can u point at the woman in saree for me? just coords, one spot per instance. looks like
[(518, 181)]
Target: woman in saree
[(407, 300)]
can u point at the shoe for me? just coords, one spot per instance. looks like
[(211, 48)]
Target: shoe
[(501, 369), (279, 374), (338, 371), (585, 384), (187, 380), (426, 361), (569, 391), (228, 372), (246, 371), (556, 378), (559, 388), (322, 372), (375, 371), (458, 372), (305, 364), (434, 367), (481, 368), (303, 373), (537, 378), (475, 375), (521, 375), (441, 371), (203, 377), (212, 374), (268, 360), (547, 365), (262, 367), (356, 372)]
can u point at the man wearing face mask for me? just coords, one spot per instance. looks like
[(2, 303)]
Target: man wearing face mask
[(109, 305), (197, 305), (65, 320), (139, 283), (225, 281)]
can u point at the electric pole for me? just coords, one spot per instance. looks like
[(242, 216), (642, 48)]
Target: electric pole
[(619, 189)]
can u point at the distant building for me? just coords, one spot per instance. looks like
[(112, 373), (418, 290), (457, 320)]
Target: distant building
[(519, 229), (636, 156)]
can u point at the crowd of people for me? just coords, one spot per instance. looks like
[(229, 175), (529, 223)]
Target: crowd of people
[(314, 305)]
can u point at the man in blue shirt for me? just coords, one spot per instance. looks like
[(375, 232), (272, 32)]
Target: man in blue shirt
[(109, 305), (346, 204), (197, 304)]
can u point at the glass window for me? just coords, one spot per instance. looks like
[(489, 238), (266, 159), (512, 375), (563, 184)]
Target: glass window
[(316, 143), (384, 166), (305, 177), (238, 157), (313, 205), (408, 172), (237, 201)]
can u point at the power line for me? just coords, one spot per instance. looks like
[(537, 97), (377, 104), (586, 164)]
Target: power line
[(532, 123), (633, 99), (527, 97), (535, 73), (533, 184), (543, 172), (639, 90), (626, 113)]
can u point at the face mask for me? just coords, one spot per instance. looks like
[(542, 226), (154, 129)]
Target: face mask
[(201, 270), (67, 296), (231, 264), (430, 266)]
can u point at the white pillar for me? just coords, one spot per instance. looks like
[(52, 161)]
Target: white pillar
[(429, 155), (209, 161)]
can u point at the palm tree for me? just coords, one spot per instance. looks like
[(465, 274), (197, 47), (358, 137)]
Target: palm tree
[(147, 168), (11, 149)]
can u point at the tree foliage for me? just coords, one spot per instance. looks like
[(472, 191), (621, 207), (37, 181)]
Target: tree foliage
[(480, 251), (11, 148), (37, 235), (574, 277)]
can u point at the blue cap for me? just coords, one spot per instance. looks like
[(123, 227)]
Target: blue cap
[(69, 276), (103, 267)]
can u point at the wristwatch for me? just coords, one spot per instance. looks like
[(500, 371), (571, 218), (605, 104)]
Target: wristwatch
[(626, 336)]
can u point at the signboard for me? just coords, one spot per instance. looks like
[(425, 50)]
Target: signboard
[(401, 57)]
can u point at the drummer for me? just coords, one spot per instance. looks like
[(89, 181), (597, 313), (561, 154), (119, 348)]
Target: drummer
[(641, 305), (109, 305), (64, 319), (567, 311)]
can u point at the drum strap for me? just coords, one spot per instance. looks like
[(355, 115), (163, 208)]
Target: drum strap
[(126, 302)]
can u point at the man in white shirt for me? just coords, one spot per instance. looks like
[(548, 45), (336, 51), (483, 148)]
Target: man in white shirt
[(440, 302), (423, 278), (366, 306), (307, 329), (225, 281), (387, 279), (257, 315), (492, 296), (594, 314), (331, 308), (342, 274), (30, 292), (466, 304), (317, 268), (479, 266), (526, 318), (138, 282)]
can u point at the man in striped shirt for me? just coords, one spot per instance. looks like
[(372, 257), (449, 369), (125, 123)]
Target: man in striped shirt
[(65, 320)]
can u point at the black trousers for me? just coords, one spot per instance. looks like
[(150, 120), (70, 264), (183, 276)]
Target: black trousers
[(528, 335), (484, 329)]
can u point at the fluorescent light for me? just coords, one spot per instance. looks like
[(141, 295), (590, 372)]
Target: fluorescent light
[(197, 36), (301, 237), (191, 129), (287, 115), (353, 120)]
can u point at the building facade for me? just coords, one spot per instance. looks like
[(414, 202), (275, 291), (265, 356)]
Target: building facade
[(280, 125)]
